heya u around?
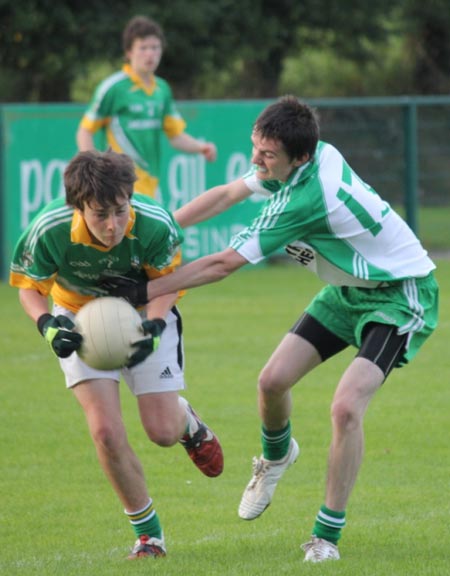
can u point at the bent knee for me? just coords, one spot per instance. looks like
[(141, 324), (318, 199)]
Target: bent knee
[(163, 436), (108, 440), (345, 416), (271, 382)]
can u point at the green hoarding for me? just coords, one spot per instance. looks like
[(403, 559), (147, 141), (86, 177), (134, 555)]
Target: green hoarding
[(38, 140)]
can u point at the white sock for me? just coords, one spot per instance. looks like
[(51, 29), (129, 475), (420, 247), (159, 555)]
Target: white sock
[(191, 422)]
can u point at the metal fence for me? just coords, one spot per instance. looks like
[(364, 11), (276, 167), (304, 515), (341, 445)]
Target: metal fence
[(401, 146)]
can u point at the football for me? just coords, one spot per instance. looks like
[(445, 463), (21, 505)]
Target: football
[(108, 326)]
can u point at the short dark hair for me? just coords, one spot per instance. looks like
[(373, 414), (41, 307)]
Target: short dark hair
[(141, 27), (101, 177), (293, 123)]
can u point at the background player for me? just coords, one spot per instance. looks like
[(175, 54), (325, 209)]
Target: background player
[(135, 107), (100, 230), (381, 296)]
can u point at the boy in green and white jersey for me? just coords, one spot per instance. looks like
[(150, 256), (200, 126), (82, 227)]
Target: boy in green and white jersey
[(72, 249), (343, 231), (381, 296), (135, 107)]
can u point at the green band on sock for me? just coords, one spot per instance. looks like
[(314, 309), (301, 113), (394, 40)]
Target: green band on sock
[(145, 521), (275, 443), (329, 524)]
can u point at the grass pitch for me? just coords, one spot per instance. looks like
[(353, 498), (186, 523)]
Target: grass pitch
[(60, 516)]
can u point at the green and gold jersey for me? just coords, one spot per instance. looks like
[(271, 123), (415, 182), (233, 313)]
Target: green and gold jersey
[(56, 255), (134, 116), (334, 224)]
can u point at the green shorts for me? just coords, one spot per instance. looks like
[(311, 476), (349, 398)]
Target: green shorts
[(411, 305)]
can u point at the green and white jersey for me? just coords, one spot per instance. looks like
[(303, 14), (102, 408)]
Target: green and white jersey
[(334, 224), (57, 256)]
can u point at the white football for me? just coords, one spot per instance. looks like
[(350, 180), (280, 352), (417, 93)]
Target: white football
[(108, 326)]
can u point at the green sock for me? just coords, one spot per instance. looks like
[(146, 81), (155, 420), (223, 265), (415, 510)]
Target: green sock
[(329, 524), (145, 521), (275, 443)]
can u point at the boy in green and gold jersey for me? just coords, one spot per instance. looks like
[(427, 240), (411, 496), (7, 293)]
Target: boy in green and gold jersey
[(76, 244), (134, 107)]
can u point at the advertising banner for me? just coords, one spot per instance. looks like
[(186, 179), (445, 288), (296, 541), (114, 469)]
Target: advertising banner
[(39, 140)]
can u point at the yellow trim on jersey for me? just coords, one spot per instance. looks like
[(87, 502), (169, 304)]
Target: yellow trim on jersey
[(173, 126), (145, 184), (112, 142), (139, 83), (93, 125), (22, 281), (68, 299), (154, 273), (79, 233), (48, 287)]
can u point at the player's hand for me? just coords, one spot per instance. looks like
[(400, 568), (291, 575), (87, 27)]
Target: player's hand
[(152, 329), (209, 151), (133, 291), (58, 332)]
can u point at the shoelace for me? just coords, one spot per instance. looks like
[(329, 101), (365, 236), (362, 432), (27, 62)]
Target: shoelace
[(320, 551), (260, 467), (196, 439), (144, 545)]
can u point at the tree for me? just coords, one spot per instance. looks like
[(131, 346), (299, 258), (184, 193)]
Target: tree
[(220, 48), (428, 27), (43, 44), (244, 43)]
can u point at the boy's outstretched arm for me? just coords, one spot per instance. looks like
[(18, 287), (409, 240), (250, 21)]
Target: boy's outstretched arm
[(206, 270), (212, 202)]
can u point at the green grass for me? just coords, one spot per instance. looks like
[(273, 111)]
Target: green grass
[(60, 516), (433, 228)]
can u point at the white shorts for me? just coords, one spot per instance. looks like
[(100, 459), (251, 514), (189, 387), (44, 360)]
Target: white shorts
[(162, 371)]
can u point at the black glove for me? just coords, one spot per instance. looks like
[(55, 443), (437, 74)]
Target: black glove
[(133, 291), (58, 332), (154, 328)]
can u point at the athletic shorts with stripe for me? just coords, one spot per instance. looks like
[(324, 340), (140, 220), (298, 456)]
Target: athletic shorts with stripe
[(162, 371), (347, 315)]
